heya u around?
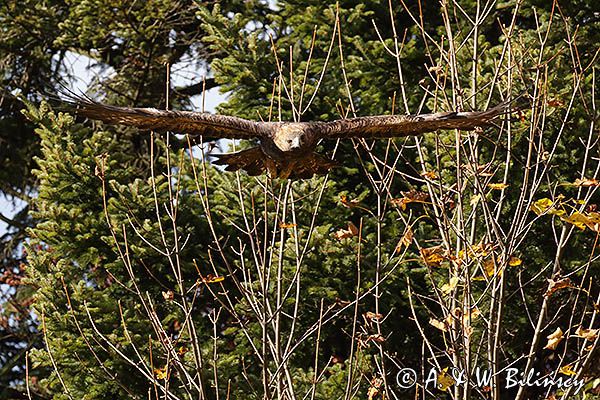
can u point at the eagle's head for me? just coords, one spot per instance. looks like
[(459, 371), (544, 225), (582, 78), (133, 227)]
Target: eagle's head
[(293, 137)]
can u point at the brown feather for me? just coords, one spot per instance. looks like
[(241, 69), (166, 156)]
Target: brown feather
[(255, 162), (387, 126), (194, 123), (250, 160)]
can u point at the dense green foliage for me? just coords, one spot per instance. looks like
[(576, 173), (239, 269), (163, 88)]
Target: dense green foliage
[(97, 243)]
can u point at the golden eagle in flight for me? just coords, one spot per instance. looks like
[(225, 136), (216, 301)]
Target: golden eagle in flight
[(287, 149)]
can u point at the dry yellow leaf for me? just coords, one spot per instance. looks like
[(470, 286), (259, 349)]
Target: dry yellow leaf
[(578, 219), (588, 334), (474, 200), (490, 268), (593, 221), (497, 186), (567, 370), (438, 324), (479, 250), (514, 261), (210, 278), (161, 373), (372, 393), (541, 206), (375, 387), (444, 380), (447, 288), (554, 339), (429, 175), (468, 317), (286, 226)]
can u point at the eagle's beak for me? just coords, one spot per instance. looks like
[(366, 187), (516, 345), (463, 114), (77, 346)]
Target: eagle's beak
[(295, 143)]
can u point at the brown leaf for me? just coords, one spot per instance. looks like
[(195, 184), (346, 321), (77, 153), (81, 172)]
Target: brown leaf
[(406, 239), (433, 256), (373, 316), (484, 170), (554, 339), (554, 286), (412, 196), (375, 387), (586, 182), (346, 233), (354, 203), (377, 338), (348, 203), (554, 102), (372, 393)]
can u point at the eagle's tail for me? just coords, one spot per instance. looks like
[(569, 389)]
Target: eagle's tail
[(251, 160), (255, 162), (313, 164)]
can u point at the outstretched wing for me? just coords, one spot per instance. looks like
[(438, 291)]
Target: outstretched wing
[(193, 123), (387, 126)]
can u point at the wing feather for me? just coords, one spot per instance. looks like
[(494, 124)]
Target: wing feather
[(387, 126), (189, 122)]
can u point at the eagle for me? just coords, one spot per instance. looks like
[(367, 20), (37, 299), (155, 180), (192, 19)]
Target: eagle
[(286, 149)]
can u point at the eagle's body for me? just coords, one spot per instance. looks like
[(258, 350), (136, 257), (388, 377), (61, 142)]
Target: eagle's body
[(287, 149)]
